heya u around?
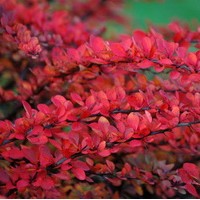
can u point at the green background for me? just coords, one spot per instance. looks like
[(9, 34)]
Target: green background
[(158, 12)]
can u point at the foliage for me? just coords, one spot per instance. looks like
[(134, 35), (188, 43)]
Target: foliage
[(85, 117)]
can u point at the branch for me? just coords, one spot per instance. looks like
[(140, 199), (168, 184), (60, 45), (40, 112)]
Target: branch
[(111, 144), (188, 123), (116, 111), (129, 111), (178, 125), (183, 66)]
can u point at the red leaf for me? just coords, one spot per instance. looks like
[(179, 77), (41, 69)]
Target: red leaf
[(135, 143), (176, 111), (73, 54), (136, 100), (46, 157), (80, 164), (102, 146), (139, 35), (22, 185), (117, 49), (104, 124), (13, 153), (43, 108), (174, 75), (55, 143), (133, 121), (121, 94), (36, 136), (121, 126), (27, 108), (147, 45), (63, 176), (89, 161), (47, 183), (194, 77), (58, 100), (192, 59), (191, 169), (40, 139), (4, 178), (127, 166), (97, 44), (30, 154), (44, 181), (79, 173), (148, 115), (104, 153), (115, 181), (165, 61), (110, 165), (145, 64), (77, 98), (184, 176), (90, 101), (192, 190)]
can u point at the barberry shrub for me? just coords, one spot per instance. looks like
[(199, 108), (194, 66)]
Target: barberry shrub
[(85, 117)]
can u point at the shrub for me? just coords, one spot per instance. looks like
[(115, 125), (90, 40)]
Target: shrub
[(86, 117)]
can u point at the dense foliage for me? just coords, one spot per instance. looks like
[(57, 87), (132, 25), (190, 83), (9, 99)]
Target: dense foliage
[(85, 117)]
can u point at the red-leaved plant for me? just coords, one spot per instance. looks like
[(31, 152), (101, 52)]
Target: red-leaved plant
[(85, 117)]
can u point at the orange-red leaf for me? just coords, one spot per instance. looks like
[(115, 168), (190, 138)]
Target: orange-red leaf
[(110, 165), (117, 49), (133, 121), (27, 108), (105, 153), (136, 100), (192, 59), (103, 124), (77, 98), (97, 44), (165, 61), (43, 108), (58, 100), (102, 146), (148, 115), (79, 173), (147, 45), (145, 64)]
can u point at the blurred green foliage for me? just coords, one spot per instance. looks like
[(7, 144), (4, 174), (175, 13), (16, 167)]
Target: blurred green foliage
[(162, 12), (143, 13)]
